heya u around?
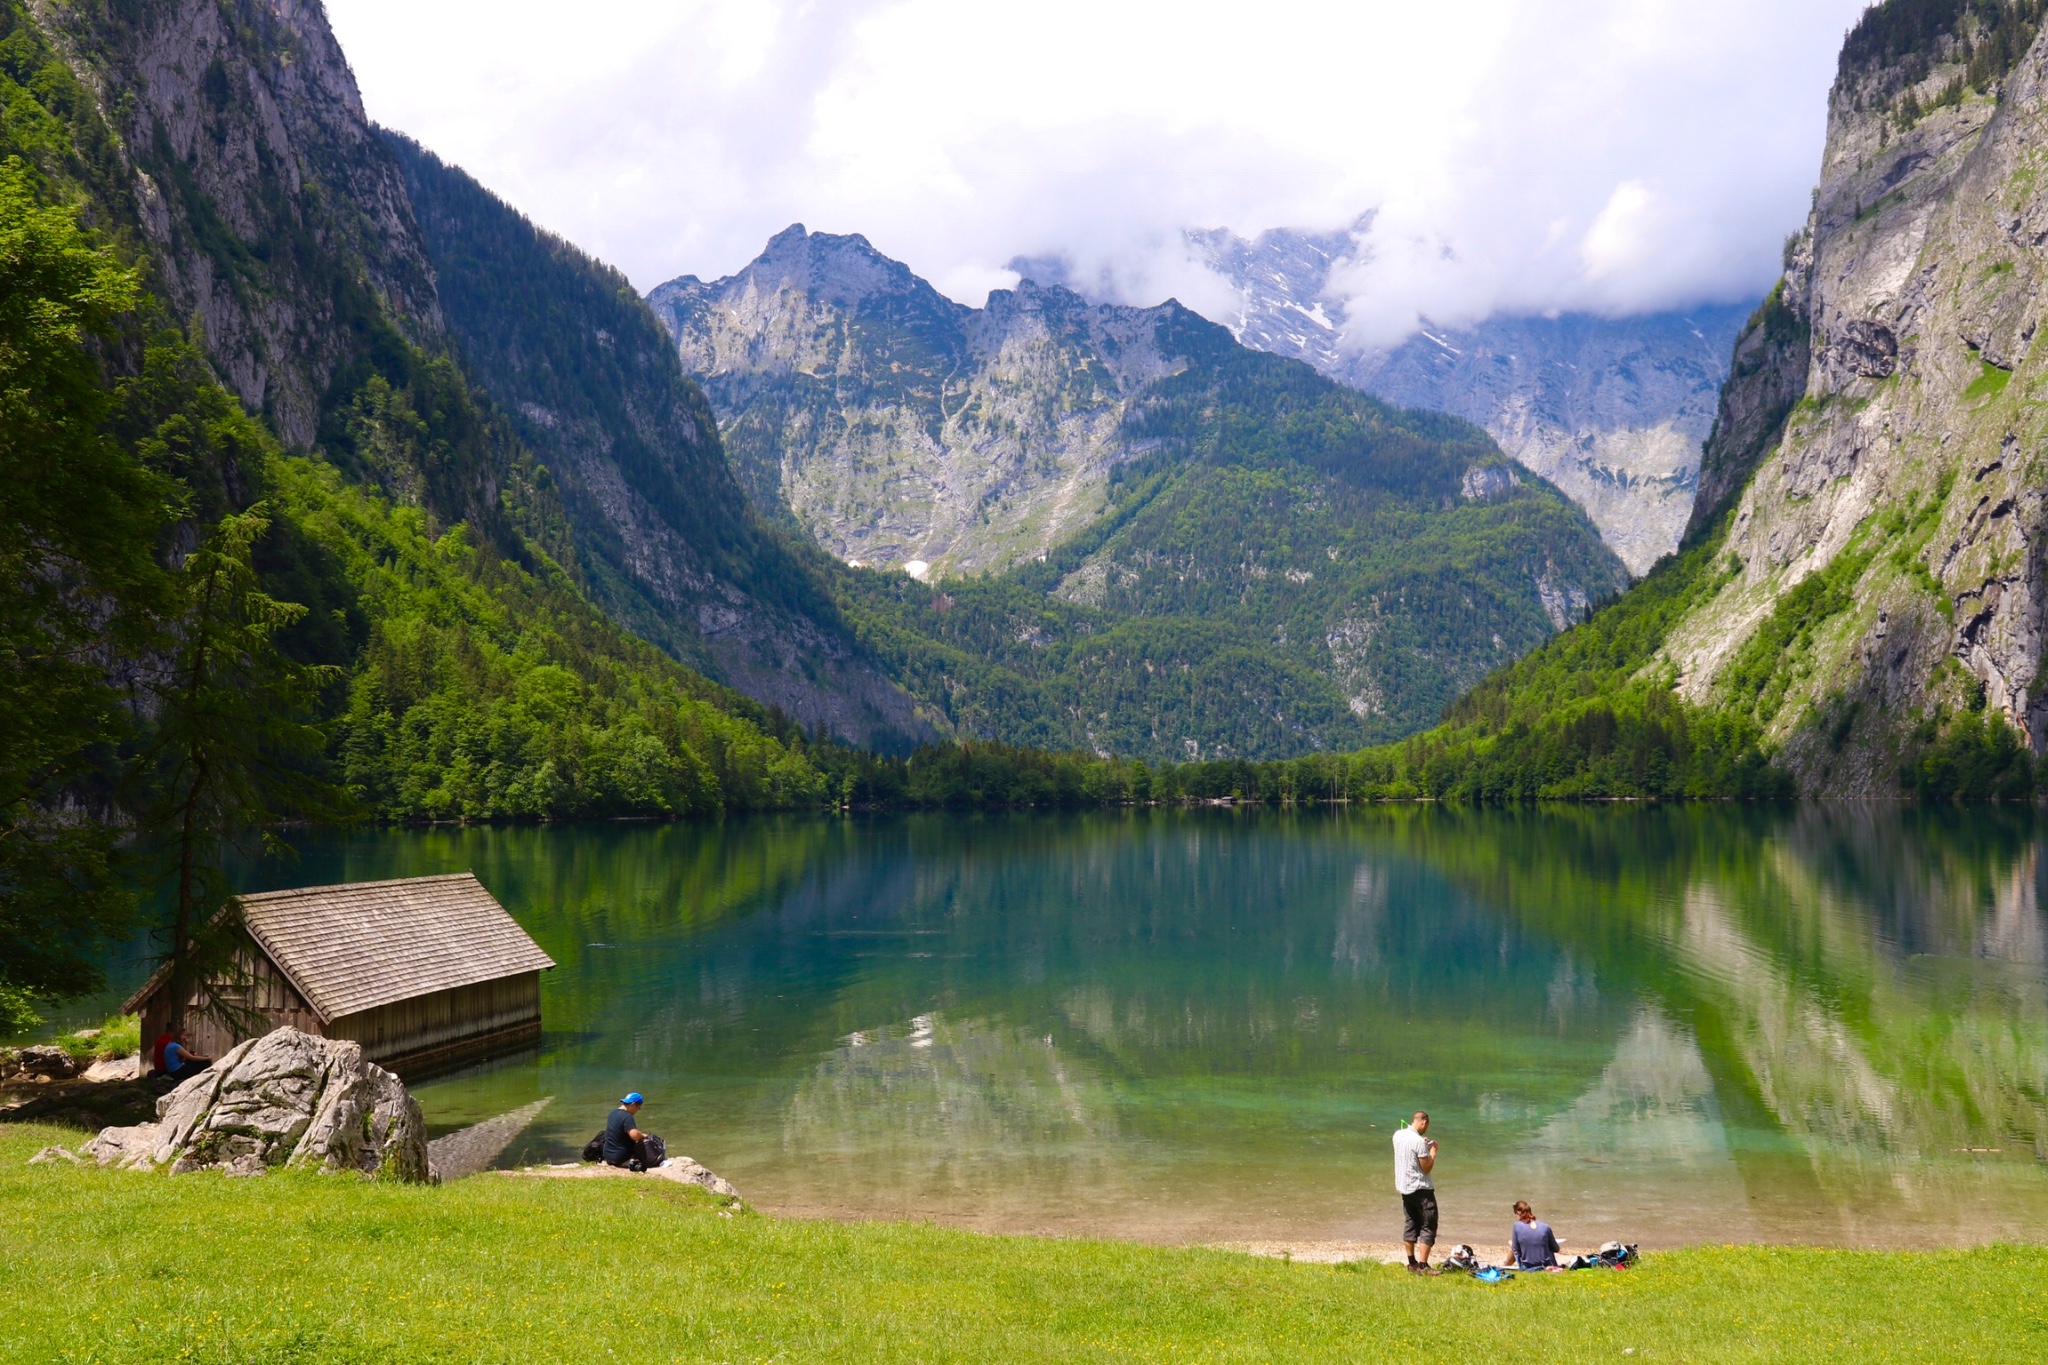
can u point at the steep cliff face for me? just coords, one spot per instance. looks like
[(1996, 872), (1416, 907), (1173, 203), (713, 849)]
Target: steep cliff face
[(899, 427), (668, 543), (273, 215), (1612, 411), (1882, 561), (277, 233)]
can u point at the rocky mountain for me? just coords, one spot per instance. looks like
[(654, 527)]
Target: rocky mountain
[(669, 546), (1144, 537), (288, 353), (1612, 411), (1876, 482), (901, 428)]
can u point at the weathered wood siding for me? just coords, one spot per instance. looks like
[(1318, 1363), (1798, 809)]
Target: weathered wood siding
[(268, 993), (432, 1022)]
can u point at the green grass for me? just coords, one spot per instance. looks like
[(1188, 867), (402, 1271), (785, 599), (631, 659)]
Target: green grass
[(107, 1266), (1989, 383), (119, 1035)]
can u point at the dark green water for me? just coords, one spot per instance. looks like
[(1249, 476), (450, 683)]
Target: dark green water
[(1674, 1025)]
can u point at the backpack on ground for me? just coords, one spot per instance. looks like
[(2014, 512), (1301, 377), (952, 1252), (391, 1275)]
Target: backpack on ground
[(653, 1150), (1462, 1258), (593, 1150)]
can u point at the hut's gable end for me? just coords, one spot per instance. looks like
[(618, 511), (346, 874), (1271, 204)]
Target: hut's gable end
[(261, 989)]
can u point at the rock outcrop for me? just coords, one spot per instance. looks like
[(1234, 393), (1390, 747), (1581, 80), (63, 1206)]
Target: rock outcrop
[(47, 1059), (1300, 565), (227, 144), (1885, 424), (241, 123), (285, 1099), (902, 428)]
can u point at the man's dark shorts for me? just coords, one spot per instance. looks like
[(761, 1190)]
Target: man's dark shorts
[(1418, 1223)]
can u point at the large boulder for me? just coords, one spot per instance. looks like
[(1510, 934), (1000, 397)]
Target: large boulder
[(285, 1099), (47, 1059)]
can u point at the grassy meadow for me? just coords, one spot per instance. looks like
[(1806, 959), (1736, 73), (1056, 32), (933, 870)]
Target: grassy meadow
[(112, 1266)]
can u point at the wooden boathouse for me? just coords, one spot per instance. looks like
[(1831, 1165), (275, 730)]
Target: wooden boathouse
[(423, 972)]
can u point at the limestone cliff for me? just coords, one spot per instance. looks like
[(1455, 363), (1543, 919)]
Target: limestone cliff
[(273, 216), (1882, 446), (900, 427), (279, 227), (1146, 538)]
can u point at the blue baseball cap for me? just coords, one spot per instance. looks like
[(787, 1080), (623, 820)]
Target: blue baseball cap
[(633, 1098)]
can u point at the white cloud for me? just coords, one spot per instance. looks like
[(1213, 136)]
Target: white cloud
[(1602, 154)]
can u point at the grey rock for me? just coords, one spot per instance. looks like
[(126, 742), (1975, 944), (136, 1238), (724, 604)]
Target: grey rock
[(132, 1147), (44, 1059), (281, 150), (901, 428), (288, 1098), (1885, 402), (684, 1171), (1865, 348), (114, 1069), (49, 1154)]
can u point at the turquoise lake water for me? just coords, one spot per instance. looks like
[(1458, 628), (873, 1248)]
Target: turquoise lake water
[(1709, 1024)]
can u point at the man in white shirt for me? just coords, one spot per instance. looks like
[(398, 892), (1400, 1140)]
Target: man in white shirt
[(1414, 1159)]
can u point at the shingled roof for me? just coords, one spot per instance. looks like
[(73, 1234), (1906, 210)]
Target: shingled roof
[(354, 947)]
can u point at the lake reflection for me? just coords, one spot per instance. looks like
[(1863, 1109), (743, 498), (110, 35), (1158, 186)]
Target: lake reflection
[(1711, 1024)]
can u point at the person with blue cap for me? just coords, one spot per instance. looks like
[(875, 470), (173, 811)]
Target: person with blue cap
[(624, 1144)]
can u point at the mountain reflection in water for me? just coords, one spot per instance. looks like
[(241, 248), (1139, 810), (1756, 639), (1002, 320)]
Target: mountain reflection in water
[(1823, 1024)]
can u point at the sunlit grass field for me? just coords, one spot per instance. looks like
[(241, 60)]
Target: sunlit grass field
[(111, 1266)]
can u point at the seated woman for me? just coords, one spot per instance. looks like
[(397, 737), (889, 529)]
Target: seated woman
[(1534, 1244), (180, 1061)]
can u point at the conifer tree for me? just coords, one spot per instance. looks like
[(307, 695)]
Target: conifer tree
[(234, 752)]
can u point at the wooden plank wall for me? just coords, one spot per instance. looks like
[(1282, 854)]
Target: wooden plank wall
[(269, 993), (441, 1017)]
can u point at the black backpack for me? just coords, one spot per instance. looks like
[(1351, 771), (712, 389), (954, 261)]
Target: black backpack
[(654, 1149), (593, 1150)]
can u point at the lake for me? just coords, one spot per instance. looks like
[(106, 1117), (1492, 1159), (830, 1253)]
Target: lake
[(1825, 1024)]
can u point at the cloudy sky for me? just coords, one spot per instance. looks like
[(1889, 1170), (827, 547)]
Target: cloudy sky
[(1527, 155)]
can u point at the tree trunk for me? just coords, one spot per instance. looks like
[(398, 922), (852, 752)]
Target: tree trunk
[(184, 917)]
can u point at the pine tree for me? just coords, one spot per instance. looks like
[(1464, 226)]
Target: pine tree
[(233, 754)]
